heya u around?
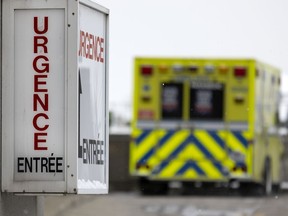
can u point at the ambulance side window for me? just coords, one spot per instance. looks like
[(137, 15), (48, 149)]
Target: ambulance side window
[(172, 101)]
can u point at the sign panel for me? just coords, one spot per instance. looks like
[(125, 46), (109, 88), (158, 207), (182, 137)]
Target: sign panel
[(39, 94), (92, 146), (54, 97)]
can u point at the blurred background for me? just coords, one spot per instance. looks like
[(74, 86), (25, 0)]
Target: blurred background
[(192, 28), (255, 29)]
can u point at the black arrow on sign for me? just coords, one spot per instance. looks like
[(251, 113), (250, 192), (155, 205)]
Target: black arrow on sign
[(79, 117)]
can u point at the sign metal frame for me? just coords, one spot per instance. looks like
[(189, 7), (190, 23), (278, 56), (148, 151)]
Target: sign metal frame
[(71, 125)]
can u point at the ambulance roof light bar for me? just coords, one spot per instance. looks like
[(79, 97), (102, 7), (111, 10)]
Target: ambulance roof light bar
[(163, 68), (178, 68), (240, 71), (146, 70), (193, 68), (223, 69), (209, 68)]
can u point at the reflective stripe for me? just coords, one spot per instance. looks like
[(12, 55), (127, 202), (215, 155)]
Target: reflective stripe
[(220, 167), (165, 138), (146, 157), (150, 153), (190, 165), (241, 138), (142, 136), (160, 168), (191, 139), (178, 153), (200, 146), (219, 152), (166, 149), (219, 140), (234, 143)]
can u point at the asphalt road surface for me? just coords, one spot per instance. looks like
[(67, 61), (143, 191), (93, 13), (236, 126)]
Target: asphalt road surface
[(134, 204)]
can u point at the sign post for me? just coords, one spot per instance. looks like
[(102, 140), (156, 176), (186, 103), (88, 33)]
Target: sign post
[(55, 97)]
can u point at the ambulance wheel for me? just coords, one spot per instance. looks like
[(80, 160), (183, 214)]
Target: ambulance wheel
[(148, 187), (268, 185)]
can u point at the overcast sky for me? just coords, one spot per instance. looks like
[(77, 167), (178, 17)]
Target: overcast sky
[(193, 28)]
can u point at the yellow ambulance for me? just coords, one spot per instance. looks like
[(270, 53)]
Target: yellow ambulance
[(205, 121)]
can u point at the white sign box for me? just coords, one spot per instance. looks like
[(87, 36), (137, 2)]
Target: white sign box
[(55, 96)]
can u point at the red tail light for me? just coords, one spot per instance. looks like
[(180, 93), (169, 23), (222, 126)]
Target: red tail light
[(142, 165), (146, 70), (240, 72), (145, 114), (244, 168)]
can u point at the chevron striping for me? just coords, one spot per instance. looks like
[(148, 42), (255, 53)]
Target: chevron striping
[(191, 165), (154, 147), (226, 161), (210, 169), (211, 145), (220, 137), (234, 144), (142, 137), (182, 146), (241, 138), (200, 146), (190, 173), (220, 167), (191, 152), (177, 151), (167, 148), (172, 155), (171, 168), (166, 137), (146, 156), (217, 138), (145, 147), (220, 140)]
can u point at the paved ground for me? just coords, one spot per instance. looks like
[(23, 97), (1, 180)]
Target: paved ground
[(133, 204)]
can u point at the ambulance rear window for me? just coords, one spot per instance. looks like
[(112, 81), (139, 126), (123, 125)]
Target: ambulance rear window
[(172, 101), (206, 101)]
